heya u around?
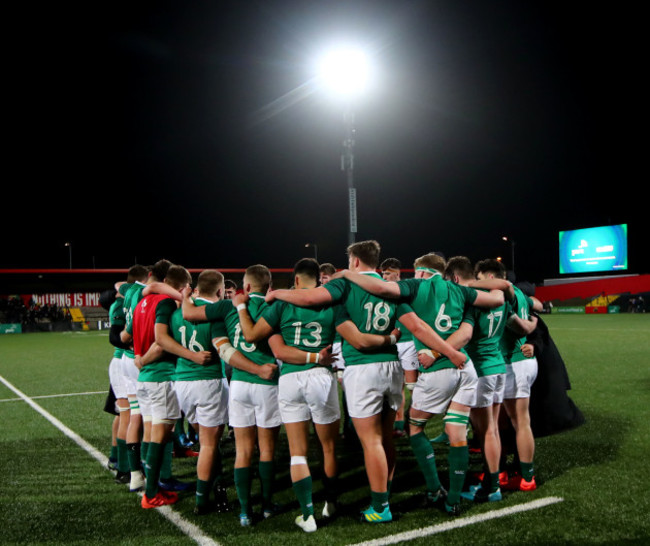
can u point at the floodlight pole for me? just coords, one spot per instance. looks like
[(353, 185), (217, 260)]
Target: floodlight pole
[(315, 247), (347, 165), (512, 251), (69, 245)]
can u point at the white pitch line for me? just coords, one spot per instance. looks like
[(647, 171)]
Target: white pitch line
[(54, 396), (462, 522), (187, 527)]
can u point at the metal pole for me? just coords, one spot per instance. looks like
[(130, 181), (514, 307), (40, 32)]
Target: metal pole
[(315, 247), (347, 165)]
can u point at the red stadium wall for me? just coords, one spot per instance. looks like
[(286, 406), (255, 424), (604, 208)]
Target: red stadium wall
[(589, 289)]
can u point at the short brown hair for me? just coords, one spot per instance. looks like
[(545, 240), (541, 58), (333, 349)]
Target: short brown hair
[(461, 266), (327, 268), (159, 269), (178, 277), (209, 281), (137, 272), (490, 265), (431, 261), (390, 263), (259, 276), (307, 267), (367, 251)]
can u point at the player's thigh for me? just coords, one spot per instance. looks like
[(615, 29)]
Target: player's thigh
[(321, 395), (163, 401), (291, 399), (520, 377), (434, 390), (368, 387)]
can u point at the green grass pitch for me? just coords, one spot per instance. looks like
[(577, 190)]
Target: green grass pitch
[(54, 492)]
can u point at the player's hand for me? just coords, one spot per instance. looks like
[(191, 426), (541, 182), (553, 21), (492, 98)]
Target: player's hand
[(426, 361), (270, 296), (327, 357), (202, 357), (240, 298), (528, 349), (397, 333), (339, 274), (458, 359), (186, 291), (138, 362), (267, 371)]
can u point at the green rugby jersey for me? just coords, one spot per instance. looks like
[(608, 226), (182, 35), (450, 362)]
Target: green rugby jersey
[(131, 299), (310, 329), (197, 337), (406, 333), (371, 314), (510, 341), (163, 369), (260, 352), (485, 346), (439, 303), (116, 318)]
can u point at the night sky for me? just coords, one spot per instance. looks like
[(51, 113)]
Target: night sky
[(142, 130)]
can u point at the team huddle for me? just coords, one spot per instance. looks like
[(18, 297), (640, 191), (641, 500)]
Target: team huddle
[(453, 336)]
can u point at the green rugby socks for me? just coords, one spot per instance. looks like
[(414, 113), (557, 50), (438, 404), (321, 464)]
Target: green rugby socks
[(426, 460)]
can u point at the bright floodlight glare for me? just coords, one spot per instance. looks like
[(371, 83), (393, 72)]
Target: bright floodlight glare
[(345, 71)]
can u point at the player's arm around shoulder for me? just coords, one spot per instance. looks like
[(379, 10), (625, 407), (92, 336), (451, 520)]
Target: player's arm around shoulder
[(374, 285), (489, 300), (495, 284), (308, 297), (253, 331), (191, 311), (164, 289)]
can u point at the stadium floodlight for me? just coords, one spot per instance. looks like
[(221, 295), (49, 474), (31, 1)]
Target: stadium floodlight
[(345, 73)]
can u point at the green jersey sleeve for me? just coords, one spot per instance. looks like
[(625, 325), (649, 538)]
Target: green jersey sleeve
[(338, 289), (196, 337), (219, 310), (408, 288), (164, 311), (511, 342), (272, 314)]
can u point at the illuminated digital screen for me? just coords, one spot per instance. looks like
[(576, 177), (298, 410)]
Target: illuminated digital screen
[(593, 250)]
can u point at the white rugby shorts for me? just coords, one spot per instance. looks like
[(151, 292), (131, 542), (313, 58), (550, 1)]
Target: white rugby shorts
[(116, 378), (520, 377), (434, 391), (204, 401), (130, 373), (158, 400), (253, 404), (408, 356), (490, 390), (368, 386), (310, 394)]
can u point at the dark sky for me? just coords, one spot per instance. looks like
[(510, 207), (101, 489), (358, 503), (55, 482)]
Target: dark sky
[(141, 130)]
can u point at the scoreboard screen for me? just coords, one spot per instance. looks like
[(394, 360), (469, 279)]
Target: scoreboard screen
[(593, 250)]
